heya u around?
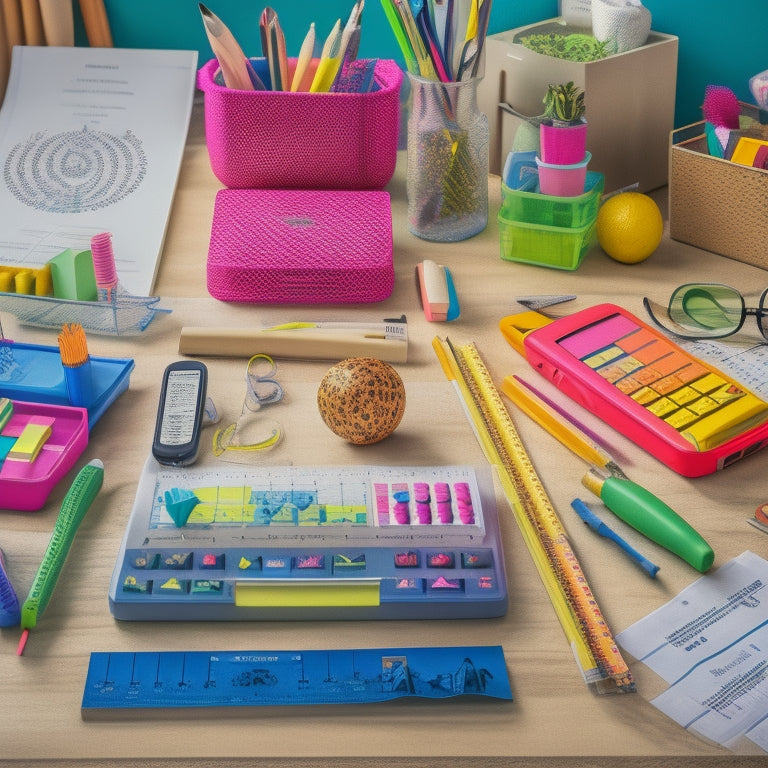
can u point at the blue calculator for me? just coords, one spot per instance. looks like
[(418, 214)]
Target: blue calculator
[(292, 543)]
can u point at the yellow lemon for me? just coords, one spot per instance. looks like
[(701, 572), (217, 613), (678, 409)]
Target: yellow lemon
[(629, 227)]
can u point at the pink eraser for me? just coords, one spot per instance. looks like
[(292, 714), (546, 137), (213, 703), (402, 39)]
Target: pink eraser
[(434, 290)]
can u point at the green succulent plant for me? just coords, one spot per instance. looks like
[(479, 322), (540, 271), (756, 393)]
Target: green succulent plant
[(564, 103), (573, 47)]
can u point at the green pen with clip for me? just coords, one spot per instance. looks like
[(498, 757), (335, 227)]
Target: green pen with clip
[(77, 501), (650, 516)]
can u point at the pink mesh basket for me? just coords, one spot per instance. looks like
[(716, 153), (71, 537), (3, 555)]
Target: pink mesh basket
[(301, 246), (284, 140)]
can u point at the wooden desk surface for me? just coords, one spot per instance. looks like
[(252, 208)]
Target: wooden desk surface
[(554, 719)]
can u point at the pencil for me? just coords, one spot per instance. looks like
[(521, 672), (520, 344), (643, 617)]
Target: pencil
[(14, 25), (568, 435), (233, 62), (33, 23), (329, 61), (302, 63), (58, 22), (96, 23), (5, 55)]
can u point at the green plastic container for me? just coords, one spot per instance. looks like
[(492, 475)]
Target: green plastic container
[(535, 208), (556, 247)]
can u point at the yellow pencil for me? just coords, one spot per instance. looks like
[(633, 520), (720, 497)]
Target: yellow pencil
[(569, 436), (305, 57), (329, 62)]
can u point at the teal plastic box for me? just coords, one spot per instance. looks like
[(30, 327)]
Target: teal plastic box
[(556, 247), (534, 208)]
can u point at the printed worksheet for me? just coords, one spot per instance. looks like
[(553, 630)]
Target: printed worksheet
[(710, 644), (91, 140)]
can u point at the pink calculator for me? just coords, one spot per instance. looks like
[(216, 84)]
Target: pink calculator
[(689, 415)]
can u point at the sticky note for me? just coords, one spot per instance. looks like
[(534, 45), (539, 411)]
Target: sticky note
[(28, 444)]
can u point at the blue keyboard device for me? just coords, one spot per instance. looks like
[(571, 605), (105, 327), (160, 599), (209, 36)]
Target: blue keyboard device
[(293, 543)]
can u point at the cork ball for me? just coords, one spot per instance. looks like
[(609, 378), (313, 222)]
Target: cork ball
[(362, 399)]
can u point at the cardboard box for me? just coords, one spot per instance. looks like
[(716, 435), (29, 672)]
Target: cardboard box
[(630, 99), (715, 204)]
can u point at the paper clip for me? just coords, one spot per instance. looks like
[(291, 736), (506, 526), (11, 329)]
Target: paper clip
[(251, 433)]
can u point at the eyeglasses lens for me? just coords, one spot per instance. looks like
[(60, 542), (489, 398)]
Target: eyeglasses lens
[(707, 310)]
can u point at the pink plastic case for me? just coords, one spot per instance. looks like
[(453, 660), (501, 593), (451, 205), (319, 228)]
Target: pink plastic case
[(26, 485), (284, 140), (301, 246)]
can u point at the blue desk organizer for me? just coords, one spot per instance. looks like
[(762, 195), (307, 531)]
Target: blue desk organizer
[(35, 373)]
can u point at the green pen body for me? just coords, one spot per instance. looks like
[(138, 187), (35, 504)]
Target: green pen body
[(652, 517)]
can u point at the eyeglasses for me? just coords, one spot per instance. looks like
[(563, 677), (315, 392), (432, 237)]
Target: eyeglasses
[(707, 311)]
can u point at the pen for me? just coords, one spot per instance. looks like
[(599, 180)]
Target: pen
[(411, 30), (629, 501), (273, 47), (77, 501), (402, 39), (313, 341), (599, 527)]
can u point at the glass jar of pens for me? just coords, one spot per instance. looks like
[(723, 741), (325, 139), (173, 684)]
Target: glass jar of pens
[(447, 173)]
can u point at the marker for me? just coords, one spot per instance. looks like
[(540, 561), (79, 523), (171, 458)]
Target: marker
[(651, 517), (77, 501)]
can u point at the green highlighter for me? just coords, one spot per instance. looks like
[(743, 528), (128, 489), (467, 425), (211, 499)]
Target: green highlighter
[(652, 517)]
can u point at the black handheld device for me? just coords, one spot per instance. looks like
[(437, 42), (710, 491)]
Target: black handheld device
[(180, 413)]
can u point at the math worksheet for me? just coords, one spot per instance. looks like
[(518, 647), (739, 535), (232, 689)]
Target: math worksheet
[(91, 141), (710, 644)]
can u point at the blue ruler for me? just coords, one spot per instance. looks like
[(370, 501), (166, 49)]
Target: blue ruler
[(121, 683)]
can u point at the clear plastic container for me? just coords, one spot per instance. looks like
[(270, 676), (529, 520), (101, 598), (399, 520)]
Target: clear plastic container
[(447, 175)]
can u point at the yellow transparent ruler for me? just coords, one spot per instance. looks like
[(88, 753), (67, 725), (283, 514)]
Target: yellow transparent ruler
[(585, 627)]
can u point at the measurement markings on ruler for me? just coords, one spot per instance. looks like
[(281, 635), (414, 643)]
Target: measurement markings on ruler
[(545, 536), (123, 682)]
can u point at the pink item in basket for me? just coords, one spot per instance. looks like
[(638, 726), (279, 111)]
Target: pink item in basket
[(301, 246), (563, 180), (287, 140)]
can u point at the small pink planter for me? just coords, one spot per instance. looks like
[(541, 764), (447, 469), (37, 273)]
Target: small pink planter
[(563, 145), (563, 180)]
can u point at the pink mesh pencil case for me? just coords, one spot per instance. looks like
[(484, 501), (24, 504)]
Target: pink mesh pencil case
[(284, 140), (301, 246)]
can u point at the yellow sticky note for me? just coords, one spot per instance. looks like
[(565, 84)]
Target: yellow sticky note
[(28, 444)]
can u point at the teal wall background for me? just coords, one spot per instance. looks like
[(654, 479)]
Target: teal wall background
[(715, 46)]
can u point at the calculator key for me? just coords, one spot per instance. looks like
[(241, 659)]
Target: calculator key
[(739, 415)]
